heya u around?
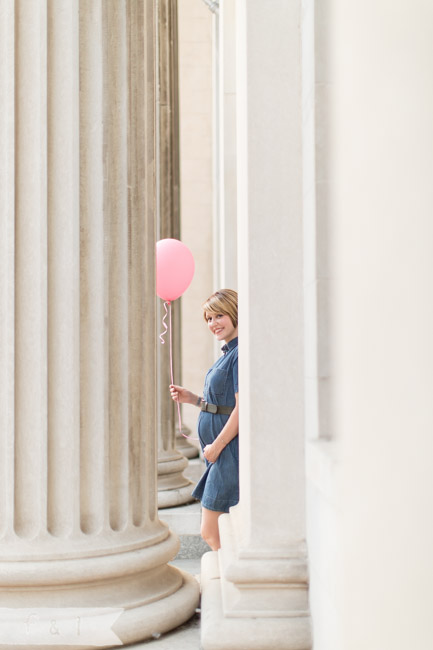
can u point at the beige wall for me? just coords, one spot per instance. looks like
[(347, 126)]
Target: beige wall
[(370, 530), (195, 87), (382, 144)]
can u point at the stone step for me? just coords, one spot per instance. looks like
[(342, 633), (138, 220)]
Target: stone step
[(183, 520)]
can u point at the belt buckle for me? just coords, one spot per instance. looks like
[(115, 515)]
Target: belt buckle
[(209, 408)]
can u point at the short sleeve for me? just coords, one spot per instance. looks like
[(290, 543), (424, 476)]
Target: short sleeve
[(235, 375)]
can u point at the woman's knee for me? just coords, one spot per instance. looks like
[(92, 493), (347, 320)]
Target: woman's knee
[(210, 534)]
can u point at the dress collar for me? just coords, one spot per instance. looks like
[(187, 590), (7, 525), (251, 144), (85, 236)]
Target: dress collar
[(230, 345)]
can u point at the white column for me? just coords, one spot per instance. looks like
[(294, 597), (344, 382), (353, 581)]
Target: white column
[(225, 145), (321, 445), (381, 163), (255, 590), (79, 526), (169, 175), (173, 487), (7, 255)]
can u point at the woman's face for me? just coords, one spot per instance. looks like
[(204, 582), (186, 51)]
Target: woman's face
[(221, 326)]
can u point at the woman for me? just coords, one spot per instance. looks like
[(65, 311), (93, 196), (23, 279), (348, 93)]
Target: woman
[(218, 488)]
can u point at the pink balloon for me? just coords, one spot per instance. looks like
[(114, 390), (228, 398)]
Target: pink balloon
[(174, 268)]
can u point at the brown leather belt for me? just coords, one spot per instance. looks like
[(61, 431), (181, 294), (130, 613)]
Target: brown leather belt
[(213, 408)]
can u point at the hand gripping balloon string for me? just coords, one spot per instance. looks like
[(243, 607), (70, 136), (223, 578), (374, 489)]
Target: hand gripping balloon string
[(161, 336)]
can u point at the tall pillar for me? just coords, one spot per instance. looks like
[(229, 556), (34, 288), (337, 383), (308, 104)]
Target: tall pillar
[(173, 487), (255, 589), (381, 262), (225, 145), (169, 173), (81, 543), (170, 188)]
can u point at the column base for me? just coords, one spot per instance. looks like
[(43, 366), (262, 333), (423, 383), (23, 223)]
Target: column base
[(220, 632), (174, 489), (119, 601), (175, 497)]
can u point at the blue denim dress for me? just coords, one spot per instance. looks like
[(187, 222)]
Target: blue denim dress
[(218, 488)]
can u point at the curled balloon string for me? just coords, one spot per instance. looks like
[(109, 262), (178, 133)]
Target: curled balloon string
[(161, 336), (167, 307)]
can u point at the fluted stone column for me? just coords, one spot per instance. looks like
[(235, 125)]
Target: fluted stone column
[(173, 487), (170, 180), (225, 232), (80, 538), (255, 589)]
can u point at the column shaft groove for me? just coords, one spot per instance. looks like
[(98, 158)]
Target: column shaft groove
[(30, 268), (136, 208), (7, 254), (116, 210), (63, 266), (93, 294), (149, 386)]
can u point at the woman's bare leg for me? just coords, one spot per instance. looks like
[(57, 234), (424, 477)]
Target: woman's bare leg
[(209, 528)]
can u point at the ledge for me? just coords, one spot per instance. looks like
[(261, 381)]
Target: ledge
[(222, 633)]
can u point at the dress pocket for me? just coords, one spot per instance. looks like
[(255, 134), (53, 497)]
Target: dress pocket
[(218, 381)]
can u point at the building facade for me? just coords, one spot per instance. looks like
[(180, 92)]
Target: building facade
[(306, 146), (323, 157)]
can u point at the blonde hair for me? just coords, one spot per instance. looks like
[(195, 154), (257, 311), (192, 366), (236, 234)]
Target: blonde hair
[(224, 301)]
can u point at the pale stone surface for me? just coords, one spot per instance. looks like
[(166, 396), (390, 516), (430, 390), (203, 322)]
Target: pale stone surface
[(225, 221), (79, 526), (367, 160), (382, 276), (316, 216), (321, 456), (256, 595), (369, 490), (187, 635), (185, 520), (273, 189), (220, 631), (173, 487)]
